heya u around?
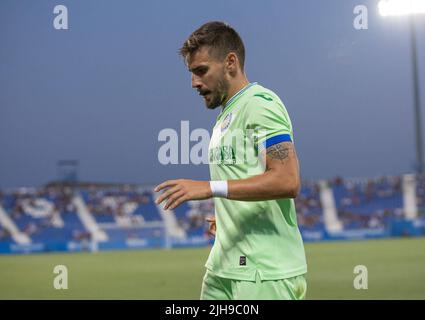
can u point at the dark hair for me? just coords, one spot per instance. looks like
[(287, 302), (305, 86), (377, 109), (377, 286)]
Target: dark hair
[(220, 37)]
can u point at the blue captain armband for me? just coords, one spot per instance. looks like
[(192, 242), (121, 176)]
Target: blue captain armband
[(275, 140)]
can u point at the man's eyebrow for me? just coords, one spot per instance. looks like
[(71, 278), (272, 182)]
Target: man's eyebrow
[(197, 68)]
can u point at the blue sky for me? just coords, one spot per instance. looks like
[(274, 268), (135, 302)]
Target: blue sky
[(101, 91)]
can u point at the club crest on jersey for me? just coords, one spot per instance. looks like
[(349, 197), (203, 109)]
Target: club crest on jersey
[(226, 122)]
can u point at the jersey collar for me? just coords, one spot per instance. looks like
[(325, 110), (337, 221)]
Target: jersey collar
[(236, 96)]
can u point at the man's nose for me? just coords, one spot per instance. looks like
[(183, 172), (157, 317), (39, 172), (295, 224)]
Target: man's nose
[(196, 83)]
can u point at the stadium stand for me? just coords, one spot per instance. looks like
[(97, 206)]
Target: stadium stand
[(5, 236), (309, 207), (129, 217), (191, 216), (420, 194), (44, 214), (368, 203), (109, 204), (125, 213)]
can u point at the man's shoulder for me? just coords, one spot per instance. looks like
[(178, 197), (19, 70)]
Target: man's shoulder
[(261, 93), (261, 96)]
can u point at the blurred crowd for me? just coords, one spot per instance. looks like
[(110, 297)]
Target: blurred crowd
[(34, 209), (4, 234), (194, 222), (420, 192), (309, 207), (364, 192), (120, 201)]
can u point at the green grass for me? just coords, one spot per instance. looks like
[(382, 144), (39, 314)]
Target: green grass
[(396, 270)]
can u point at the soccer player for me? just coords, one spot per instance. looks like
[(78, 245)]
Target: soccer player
[(258, 251)]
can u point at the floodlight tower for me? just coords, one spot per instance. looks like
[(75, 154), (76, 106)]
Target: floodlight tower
[(410, 8)]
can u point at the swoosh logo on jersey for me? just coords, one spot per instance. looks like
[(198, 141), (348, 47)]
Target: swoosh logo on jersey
[(264, 96)]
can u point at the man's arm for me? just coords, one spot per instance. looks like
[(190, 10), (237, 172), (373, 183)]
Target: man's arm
[(281, 179)]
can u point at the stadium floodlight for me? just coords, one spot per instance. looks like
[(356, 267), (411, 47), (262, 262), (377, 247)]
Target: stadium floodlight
[(410, 8), (401, 7)]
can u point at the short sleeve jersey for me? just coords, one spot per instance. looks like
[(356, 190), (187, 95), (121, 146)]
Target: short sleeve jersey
[(252, 236)]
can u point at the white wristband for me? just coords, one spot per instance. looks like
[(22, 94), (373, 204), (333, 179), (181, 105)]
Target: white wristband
[(219, 188)]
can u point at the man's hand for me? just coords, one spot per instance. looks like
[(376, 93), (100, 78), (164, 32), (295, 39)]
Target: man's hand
[(212, 226), (181, 190)]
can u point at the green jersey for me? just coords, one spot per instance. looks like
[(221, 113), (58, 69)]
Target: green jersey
[(252, 236)]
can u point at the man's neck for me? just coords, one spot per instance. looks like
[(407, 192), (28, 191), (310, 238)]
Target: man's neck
[(235, 88)]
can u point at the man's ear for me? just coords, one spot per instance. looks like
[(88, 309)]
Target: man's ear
[(232, 62)]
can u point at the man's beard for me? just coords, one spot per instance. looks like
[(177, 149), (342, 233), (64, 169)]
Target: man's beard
[(217, 99)]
